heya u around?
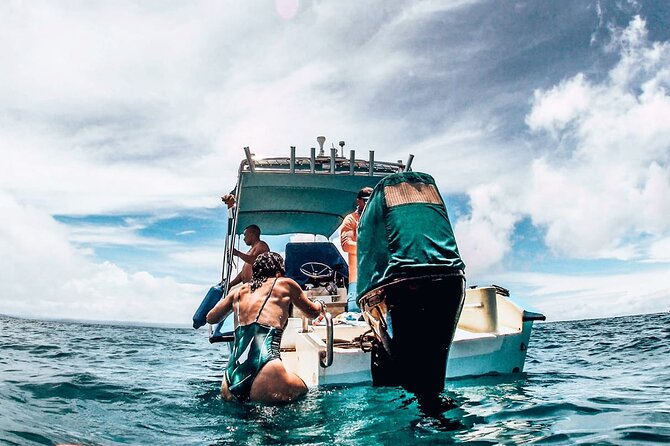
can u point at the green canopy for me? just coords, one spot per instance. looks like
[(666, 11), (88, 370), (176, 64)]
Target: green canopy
[(301, 202), (404, 232)]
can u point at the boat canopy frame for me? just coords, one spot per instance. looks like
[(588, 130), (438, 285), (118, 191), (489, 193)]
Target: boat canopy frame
[(293, 195)]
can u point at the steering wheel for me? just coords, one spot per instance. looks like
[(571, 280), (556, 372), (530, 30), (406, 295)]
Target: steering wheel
[(316, 270)]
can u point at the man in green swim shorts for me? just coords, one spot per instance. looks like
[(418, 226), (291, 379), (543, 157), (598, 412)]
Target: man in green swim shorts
[(261, 310)]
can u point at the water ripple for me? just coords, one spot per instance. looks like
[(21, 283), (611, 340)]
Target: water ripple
[(586, 382)]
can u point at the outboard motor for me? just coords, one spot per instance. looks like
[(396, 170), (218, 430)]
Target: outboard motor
[(411, 283)]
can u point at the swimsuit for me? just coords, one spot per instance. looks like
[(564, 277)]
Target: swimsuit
[(255, 345)]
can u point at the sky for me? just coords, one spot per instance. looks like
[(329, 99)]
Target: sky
[(545, 124)]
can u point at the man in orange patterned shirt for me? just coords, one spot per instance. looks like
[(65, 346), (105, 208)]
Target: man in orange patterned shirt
[(348, 236)]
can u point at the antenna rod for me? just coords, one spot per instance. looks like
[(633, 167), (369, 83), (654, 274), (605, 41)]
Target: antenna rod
[(372, 163), (352, 161), (320, 140), (333, 154)]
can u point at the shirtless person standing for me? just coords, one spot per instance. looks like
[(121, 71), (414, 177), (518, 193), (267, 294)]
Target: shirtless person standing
[(252, 238)]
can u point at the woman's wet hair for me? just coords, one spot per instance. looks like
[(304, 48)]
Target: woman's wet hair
[(266, 265)]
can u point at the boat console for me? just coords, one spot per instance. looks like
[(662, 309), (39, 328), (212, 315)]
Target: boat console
[(320, 270)]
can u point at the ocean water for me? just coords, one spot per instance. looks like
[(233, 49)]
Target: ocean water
[(599, 382)]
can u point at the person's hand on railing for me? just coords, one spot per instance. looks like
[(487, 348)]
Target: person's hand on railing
[(317, 320)]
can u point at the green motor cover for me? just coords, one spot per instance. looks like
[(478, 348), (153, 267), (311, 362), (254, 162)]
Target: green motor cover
[(404, 233)]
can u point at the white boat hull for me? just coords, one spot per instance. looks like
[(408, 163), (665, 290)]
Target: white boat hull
[(491, 338)]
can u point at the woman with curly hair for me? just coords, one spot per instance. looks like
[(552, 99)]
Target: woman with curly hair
[(261, 310)]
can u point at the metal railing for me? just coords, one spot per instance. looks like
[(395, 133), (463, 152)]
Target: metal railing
[(326, 357), (327, 165)]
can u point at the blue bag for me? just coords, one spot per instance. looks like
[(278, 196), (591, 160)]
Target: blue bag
[(213, 296)]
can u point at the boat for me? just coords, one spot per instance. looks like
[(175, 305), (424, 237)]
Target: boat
[(421, 325)]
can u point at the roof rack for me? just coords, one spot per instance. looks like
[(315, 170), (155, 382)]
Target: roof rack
[(333, 164)]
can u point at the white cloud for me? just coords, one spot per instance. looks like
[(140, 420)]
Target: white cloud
[(148, 109), (601, 186), (483, 236), (198, 258), (135, 108), (565, 297), (659, 251), (46, 171), (555, 108), (101, 235), (42, 275), (467, 154), (612, 188)]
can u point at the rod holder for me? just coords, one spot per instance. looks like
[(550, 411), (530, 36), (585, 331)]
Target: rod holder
[(333, 154), (292, 162), (250, 161), (352, 161), (408, 166), (312, 159), (371, 163)]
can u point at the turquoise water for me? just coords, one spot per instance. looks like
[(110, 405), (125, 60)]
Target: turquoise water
[(601, 381)]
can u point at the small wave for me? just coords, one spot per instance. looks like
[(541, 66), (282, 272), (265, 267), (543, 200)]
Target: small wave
[(547, 410), (30, 436), (648, 434), (81, 387), (645, 344), (620, 400)]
